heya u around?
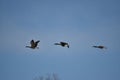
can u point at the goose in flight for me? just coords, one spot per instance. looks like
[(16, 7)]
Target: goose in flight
[(100, 47), (33, 44), (63, 44)]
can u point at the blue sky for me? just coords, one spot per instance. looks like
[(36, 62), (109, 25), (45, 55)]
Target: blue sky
[(81, 23)]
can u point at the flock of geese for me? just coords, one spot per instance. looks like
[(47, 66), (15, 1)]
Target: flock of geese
[(34, 44)]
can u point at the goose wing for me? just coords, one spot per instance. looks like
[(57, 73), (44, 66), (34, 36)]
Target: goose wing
[(36, 43), (32, 42)]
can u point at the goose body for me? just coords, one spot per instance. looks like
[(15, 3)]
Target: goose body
[(63, 44), (100, 47)]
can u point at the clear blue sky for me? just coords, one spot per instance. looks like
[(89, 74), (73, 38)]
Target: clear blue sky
[(81, 23)]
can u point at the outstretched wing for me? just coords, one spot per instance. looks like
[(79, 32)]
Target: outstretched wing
[(32, 42), (37, 42)]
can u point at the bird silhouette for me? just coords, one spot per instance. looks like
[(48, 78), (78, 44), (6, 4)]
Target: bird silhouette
[(63, 44), (33, 44), (100, 47)]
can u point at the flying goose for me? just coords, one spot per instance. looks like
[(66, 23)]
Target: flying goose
[(100, 47), (63, 44), (33, 44)]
